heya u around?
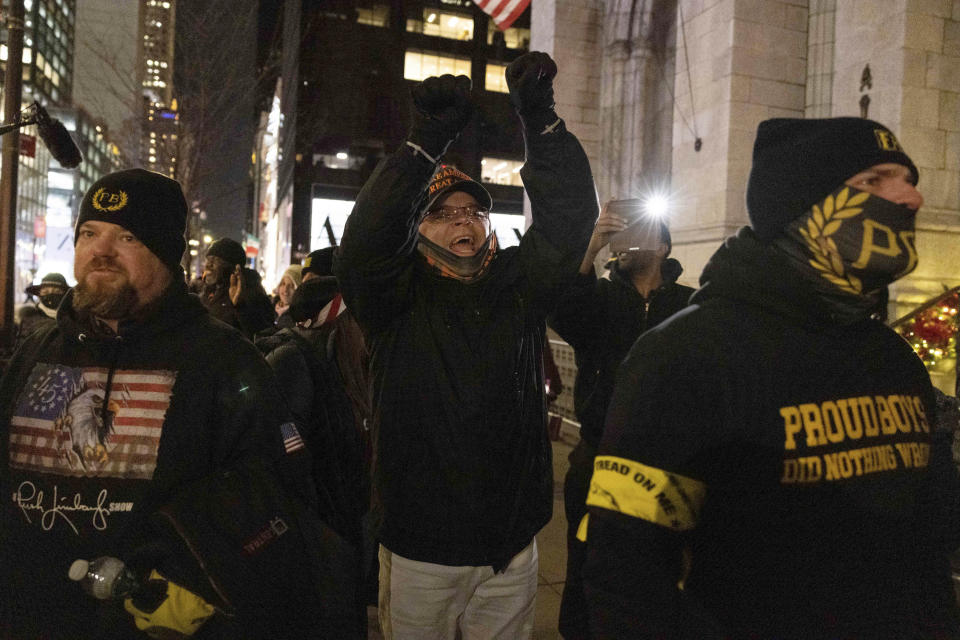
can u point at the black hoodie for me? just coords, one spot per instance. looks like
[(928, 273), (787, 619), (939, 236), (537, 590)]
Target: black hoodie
[(790, 452), (81, 469), (601, 319)]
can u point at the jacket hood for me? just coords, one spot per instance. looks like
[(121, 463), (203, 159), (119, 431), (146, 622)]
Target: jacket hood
[(670, 270), (175, 307), (755, 273)]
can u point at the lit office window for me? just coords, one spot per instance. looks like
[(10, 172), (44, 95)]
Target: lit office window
[(418, 65), (377, 15), (508, 227), (514, 37), (443, 24), (501, 171), (495, 79)]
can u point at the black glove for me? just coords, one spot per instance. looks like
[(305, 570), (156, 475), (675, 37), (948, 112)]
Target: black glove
[(530, 80), (442, 108)]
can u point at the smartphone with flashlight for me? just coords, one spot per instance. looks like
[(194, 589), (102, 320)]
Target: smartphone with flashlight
[(643, 232)]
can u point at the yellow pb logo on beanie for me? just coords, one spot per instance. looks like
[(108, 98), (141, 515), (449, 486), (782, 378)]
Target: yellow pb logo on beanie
[(887, 141), (104, 200)]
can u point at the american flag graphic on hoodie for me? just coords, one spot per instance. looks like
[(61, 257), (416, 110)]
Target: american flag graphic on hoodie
[(61, 426)]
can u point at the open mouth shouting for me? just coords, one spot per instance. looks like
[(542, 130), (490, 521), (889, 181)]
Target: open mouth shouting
[(463, 244)]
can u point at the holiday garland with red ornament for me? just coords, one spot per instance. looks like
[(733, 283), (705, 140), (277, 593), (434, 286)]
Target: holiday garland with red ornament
[(932, 332)]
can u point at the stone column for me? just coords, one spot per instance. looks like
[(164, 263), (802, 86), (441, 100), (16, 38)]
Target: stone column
[(747, 63), (569, 30)]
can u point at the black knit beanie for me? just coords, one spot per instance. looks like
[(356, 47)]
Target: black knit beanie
[(797, 163), (319, 262), (228, 250), (148, 204)]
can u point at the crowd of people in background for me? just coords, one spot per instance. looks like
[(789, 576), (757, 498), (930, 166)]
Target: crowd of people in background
[(758, 458)]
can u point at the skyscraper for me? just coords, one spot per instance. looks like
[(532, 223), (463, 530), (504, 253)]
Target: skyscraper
[(155, 62), (48, 46)]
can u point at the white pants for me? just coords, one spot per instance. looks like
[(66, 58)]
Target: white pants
[(426, 601)]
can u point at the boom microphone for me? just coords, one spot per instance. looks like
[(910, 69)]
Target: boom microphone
[(57, 139)]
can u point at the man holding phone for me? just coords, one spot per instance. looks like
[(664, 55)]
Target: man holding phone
[(601, 318)]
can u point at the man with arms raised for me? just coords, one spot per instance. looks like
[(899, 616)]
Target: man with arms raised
[(462, 469)]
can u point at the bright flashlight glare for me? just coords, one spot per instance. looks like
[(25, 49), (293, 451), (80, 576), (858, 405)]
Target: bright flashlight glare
[(656, 205)]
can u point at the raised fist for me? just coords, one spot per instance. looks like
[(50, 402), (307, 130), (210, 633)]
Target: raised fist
[(442, 108), (530, 80)]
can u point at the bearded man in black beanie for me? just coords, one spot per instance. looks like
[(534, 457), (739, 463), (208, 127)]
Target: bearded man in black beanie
[(134, 394), (770, 466)]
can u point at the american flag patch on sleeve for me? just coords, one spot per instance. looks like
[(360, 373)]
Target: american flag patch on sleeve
[(291, 437)]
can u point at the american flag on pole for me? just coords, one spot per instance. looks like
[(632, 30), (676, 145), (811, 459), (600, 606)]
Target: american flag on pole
[(503, 12), (60, 424)]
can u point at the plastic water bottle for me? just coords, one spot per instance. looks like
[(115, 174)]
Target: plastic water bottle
[(104, 578)]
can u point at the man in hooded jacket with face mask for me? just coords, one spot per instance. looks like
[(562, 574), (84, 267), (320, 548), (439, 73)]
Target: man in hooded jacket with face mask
[(455, 327), (775, 434), (48, 294)]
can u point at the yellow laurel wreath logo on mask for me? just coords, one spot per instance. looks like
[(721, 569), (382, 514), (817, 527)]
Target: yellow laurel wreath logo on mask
[(822, 224), (114, 201)]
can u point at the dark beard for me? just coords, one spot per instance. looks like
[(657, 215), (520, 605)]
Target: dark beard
[(218, 288), (108, 303)]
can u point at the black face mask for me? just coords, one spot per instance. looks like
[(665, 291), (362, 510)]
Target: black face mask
[(51, 300), (856, 242), (451, 265)]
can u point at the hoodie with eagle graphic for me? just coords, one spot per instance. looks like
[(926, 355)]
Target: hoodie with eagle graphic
[(98, 430)]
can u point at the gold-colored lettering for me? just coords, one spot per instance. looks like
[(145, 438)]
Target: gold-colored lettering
[(906, 404), (899, 415), (887, 425), (833, 467), (791, 469), (869, 247), (856, 457), (851, 418), (886, 140), (838, 465), (791, 425), (921, 414), (870, 425), (813, 424), (801, 470), (891, 459), (905, 454), (870, 459), (832, 421)]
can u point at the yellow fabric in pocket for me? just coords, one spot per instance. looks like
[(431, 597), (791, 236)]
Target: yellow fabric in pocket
[(634, 489), (180, 615), (582, 527)]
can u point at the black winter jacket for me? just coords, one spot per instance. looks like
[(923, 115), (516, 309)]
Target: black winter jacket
[(310, 381), (462, 468), (81, 470), (252, 313), (795, 458), (601, 319)]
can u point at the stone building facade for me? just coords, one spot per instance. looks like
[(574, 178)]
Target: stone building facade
[(643, 80)]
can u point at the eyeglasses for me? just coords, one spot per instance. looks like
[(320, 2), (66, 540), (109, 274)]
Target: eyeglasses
[(472, 212)]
